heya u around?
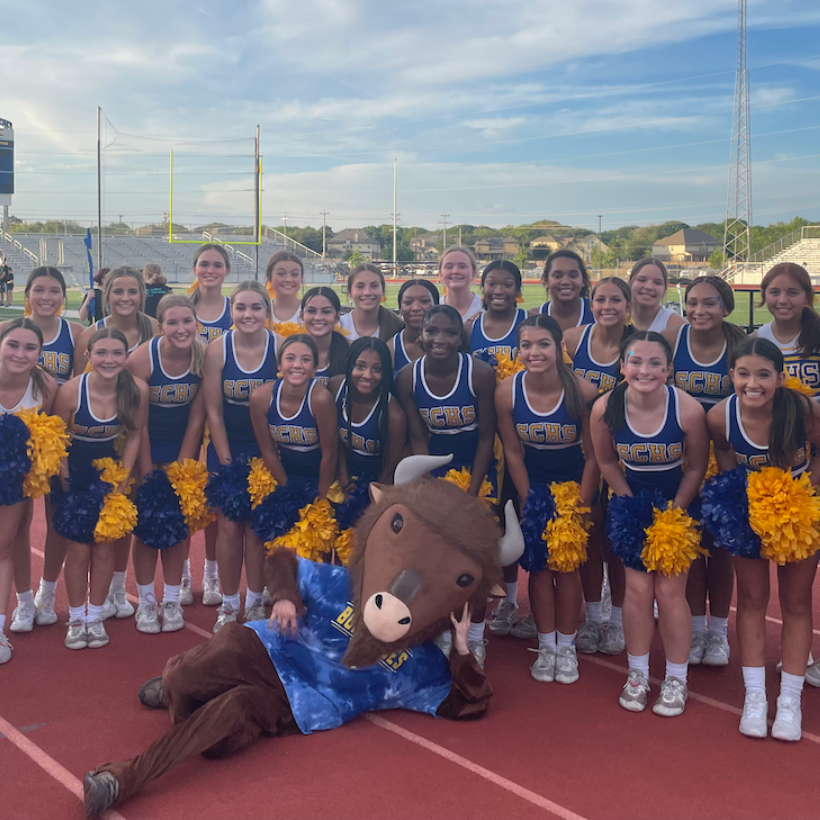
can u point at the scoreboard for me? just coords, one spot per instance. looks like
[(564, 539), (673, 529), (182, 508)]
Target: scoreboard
[(6, 162)]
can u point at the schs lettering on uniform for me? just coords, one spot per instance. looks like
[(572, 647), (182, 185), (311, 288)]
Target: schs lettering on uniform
[(56, 363), (359, 443), (449, 416), (603, 381), (208, 334), (173, 393), (703, 383), (547, 433), (650, 452), (294, 434), (807, 371), (507, 350), (96, 430), (240, 389)]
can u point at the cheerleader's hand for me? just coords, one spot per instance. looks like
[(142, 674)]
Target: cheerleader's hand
[(460, 630), (283, 618)]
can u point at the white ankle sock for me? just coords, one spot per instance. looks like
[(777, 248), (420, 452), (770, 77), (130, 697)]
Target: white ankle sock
[(210, 569), (252, 598), (548, 640), (699, 624), (616, 617), (677, 670), (640, 663), (118, 581), (146, 593), (565, 641), (791, 685), (475, 632), (94, 613), (718, 626), (232, 601), (512, 592), (754, 679), (48, 587), (76, 613), (186, 568), (2, 623), (593, 611), (170, 593), (26, 597)]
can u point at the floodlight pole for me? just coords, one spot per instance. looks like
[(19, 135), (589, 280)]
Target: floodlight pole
[(257, 221), (99, 193), (394, 216)]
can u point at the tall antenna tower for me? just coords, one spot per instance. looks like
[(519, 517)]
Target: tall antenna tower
[(737, 235)]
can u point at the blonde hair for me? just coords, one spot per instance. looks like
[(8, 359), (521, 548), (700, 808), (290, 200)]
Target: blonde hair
[(152, 274), (256, 287), (173, 300), (461, 249), (144, 323)]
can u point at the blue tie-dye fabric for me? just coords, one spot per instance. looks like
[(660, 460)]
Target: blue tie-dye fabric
[(323, 693)]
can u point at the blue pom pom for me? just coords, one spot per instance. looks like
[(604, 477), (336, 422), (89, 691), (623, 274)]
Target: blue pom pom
[(160, 522), (725, 513), (279, 511), (227, 490), (15, 463), (77, 510), (356, 501), (627, 518), (538, 510)]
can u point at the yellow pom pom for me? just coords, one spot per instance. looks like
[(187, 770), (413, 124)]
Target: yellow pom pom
[(785, 513), (672, 542), (46, 448), (313, 535), (506, 367), (118, 518), (345, 544), (260, 482), (567, 534), (270, 289), (285, 329), (794, 383), (463, 478), (113, 471), (188, 478), (713, 469)]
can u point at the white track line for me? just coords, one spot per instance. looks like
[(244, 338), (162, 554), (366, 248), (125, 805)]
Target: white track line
[(492, 777), (49, 765)]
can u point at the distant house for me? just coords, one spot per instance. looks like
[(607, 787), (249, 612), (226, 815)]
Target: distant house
[(687, 245), (352, 240), (588, 245), (494, 247), (426, 247), (550, 242)]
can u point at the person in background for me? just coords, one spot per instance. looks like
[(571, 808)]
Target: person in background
[(457, 269), (156, 286), (4, 275), (649, 280), (91, 310), (566, 283)]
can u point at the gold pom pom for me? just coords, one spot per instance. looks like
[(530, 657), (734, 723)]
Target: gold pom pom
[(313, 535), (463, 478), (568, 533), (712, 469), (188, 478), (672, 542), (47, 445), (506, 366), (118, 518), (285, 329), (794, 383), (345, 544), (113, 471), (785, 514), (260, 482)]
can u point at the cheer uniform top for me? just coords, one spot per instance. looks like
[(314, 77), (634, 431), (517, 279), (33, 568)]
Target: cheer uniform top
[(350, 332), (603, 375), (400, 357), (706, 382), (476, 308), (295, 319), (169, 406), (586, 317), (750, 455), (363, 443), (57, 355), (104, 323), (237, 384), (653, 461), (91, 437), (804, 367), (661, 320), (480, 342), (208, 330), (322, 375), (30, 400), (552, 441), (297, 436)]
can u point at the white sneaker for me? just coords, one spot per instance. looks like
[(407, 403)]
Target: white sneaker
[(122, 607), (445, 642), (172, 617), (634, 694), (186, 594), (5, 648), (525, 628), (267, 600), (672, 698), (77, 635), (589, 637), (788, 719), (697, 649), (614, 641), (255, 612), (813, 674), (211, 596), (224, 615), (543, 670), (97, 636), (478, 649), (22, 619), (148, 618), (755, 711), (566, 665), (44, 606), (717, 650), (504, 618)]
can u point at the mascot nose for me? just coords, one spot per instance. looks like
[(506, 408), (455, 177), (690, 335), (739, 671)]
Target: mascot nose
[(387, 618)]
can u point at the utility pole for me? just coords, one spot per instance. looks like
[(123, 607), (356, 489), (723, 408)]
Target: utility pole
[(444, 240), (600, 242), (324, 236), (394, 216), (257, 216), (99, 193)]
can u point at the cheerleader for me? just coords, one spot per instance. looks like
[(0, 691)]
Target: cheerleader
[(495, 331), (365, 288), (172, 365), (566, 282), (320, 314), (787, 292), (45, 298), (284, 275), (595, 354), (213, 313), (448, 397), (543, 421), (372, 426), (640, 432), (97, 406), (457, 268), (294, 419), (23, 386), (416, 297), (648, 281), (765, 424), (241, 361), (700, 365)]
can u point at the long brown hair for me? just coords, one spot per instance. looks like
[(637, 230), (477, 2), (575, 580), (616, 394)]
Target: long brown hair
[(337, 359), (809, 339), (208, 246), (173, 300), (38, 375), (389, 323), (731, 333), (144, 323), (128, 394)]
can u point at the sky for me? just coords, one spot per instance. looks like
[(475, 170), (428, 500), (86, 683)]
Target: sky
[(498, 112)]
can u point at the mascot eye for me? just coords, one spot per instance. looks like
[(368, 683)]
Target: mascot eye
[(465, 580), (397, 523)]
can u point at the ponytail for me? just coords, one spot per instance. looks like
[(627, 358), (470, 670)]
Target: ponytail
[(809, 339), (788, 430), (128, 399)]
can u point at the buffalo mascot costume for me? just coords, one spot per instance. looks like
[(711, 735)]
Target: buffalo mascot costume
[(340, 642)]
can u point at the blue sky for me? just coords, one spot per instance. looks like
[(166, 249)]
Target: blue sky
[(499, 111)]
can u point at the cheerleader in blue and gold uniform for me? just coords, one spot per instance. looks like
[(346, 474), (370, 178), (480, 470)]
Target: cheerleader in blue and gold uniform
[(495, 332), (172, 365), (566, 282), (641, 431), (239, 362), (416, 297), (543, 420), (213, 310), (765, 424), (448, 398), (700, 366), (320, 314)]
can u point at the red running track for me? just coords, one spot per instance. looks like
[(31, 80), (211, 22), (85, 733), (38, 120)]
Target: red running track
[(544, 750)]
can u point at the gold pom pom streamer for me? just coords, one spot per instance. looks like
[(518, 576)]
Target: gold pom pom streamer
[(188, 478), (285, 329), (794, 383), (46, 447), (118, 516), (463, 478), (785, 513), (506, 366), (260, 482), (314, 534), (567, 533), (672, 542), (344, 545)]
